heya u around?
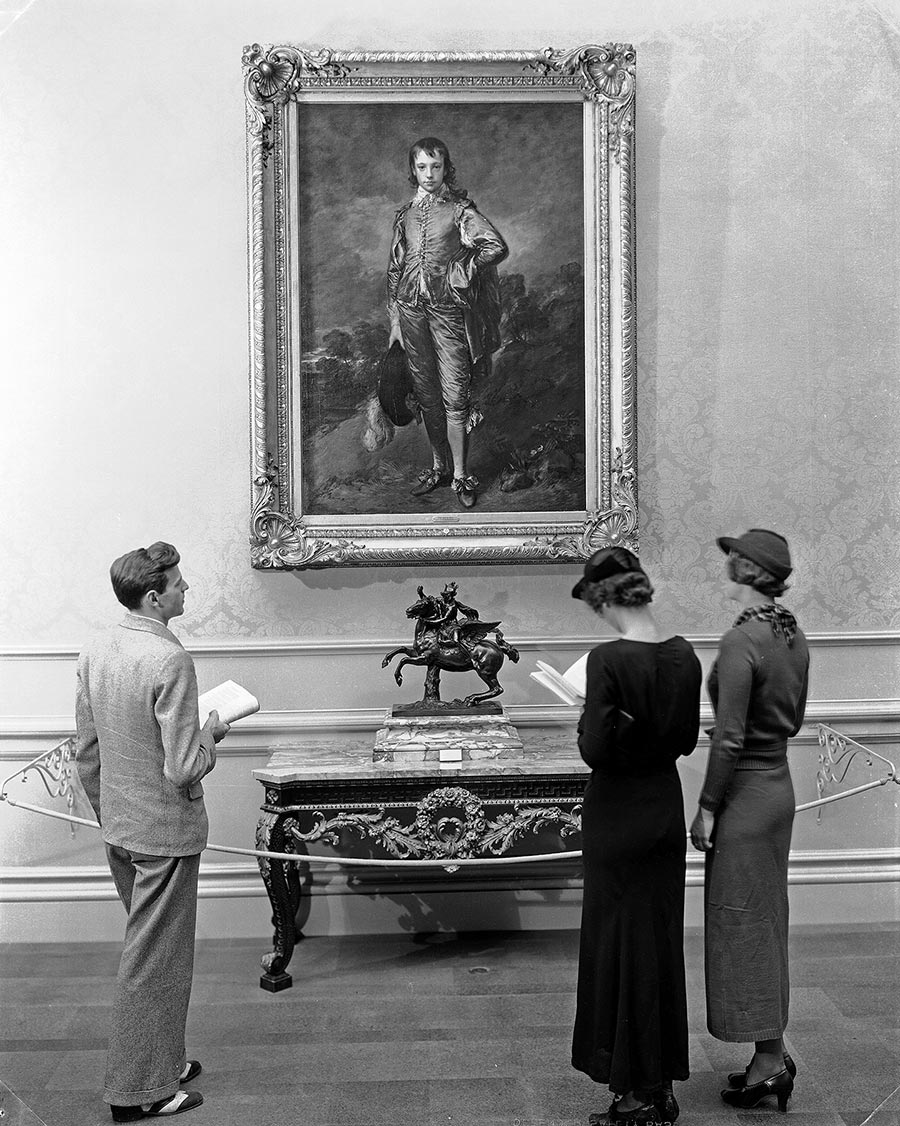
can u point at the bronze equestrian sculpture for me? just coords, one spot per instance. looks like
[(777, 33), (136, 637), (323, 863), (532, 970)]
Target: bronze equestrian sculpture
[(444, 640)]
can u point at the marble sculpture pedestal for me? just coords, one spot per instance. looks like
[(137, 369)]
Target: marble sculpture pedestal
[(449, 736)]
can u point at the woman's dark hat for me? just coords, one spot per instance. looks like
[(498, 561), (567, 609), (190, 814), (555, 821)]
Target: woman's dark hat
[(760, 546), (605, 563)]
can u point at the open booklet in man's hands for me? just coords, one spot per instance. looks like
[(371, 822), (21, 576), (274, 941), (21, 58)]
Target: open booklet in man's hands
[(568, 685), (229, 700)]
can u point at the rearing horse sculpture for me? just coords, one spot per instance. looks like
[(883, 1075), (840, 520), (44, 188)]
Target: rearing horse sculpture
[(443, 640)]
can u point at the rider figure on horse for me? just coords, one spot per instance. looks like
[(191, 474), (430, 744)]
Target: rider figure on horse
[(449, 636), (452, 637)]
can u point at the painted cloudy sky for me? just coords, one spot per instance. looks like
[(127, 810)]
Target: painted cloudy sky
[(521, 164)]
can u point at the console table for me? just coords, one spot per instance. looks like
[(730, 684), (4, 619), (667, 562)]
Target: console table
[(327, 785)]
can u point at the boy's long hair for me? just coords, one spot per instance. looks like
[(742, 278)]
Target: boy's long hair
[(433, 146)]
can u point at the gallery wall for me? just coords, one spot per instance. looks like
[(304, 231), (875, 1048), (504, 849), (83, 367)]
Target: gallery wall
[(768, 163)]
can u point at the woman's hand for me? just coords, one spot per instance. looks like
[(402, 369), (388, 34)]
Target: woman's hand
[(396, 336), (702, 830)]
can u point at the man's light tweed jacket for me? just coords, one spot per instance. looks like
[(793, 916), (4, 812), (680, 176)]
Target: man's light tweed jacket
[(140, 750)]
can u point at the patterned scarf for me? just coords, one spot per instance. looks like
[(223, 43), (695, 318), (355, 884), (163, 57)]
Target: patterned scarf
[(784, 623)]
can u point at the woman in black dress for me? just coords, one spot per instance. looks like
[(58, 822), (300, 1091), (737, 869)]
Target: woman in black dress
[(641, 713)]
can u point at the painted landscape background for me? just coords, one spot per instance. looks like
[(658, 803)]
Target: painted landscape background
[(523, 167)]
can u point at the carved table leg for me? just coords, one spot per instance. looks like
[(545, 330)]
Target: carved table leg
[(282, 882)]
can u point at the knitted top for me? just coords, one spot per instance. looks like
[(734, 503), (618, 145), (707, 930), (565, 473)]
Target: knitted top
[(757, 685)]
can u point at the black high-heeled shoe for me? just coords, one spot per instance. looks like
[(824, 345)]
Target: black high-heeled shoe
[(648, 1114), (667, 1105), (599, 1118), (739, 1078), (780, 1085)]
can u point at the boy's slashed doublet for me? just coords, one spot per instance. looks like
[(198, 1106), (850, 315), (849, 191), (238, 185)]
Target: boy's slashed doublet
[(443, 254)]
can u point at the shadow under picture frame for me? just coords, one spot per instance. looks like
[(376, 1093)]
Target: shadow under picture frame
[(505, 272)]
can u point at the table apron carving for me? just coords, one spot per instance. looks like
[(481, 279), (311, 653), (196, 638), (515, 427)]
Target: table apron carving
[(449, 822)]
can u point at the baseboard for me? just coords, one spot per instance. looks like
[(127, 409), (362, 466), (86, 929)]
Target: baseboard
[(395, 909)]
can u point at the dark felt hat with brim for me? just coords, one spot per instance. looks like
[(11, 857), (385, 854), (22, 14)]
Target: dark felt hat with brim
[(760, 546), (395, 385), (605, 563)]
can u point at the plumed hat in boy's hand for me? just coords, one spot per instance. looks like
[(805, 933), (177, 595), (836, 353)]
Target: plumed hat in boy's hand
[(395, 385)]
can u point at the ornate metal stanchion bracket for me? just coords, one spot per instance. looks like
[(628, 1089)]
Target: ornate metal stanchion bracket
[(837, 756), (56, 769)]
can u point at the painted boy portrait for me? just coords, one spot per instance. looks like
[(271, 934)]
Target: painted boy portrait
[(454, 231)]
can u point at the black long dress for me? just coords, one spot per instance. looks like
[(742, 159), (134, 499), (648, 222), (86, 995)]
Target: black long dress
[(641, 713)]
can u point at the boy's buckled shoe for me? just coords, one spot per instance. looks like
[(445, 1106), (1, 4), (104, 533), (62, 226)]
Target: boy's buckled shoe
[(465, 487), (429, 480)]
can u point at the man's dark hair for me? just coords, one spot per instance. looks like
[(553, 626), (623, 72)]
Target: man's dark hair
[(432, 146), (144, 569)]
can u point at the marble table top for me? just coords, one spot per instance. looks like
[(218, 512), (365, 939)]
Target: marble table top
[(336, 756)]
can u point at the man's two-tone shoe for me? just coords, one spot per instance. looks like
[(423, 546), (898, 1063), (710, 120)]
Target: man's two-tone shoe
[(191, 1070), (165, 1108)]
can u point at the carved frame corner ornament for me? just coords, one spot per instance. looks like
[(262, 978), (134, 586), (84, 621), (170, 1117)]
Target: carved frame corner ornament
[(607, 74), (284, 534)]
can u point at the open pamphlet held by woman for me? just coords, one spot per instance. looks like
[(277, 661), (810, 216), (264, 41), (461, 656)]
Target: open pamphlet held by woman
[(568, 685)]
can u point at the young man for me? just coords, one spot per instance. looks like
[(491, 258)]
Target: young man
[(141, 754), (444, 305)]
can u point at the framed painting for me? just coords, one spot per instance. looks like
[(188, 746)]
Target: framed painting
[(442, 305)]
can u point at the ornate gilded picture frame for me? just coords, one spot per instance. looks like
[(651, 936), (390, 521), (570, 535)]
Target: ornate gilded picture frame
[(442, 305)]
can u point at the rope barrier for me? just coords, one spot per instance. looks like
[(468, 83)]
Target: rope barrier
[(298, 858), (827, 737)]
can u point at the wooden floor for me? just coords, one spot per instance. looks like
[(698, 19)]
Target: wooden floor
[(433, 1030)]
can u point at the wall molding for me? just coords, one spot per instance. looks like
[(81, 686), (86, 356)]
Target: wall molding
[(257, 734), (321, 647), (238, 881)]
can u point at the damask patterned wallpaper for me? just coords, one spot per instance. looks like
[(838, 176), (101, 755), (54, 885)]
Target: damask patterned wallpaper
[(768, 239)]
